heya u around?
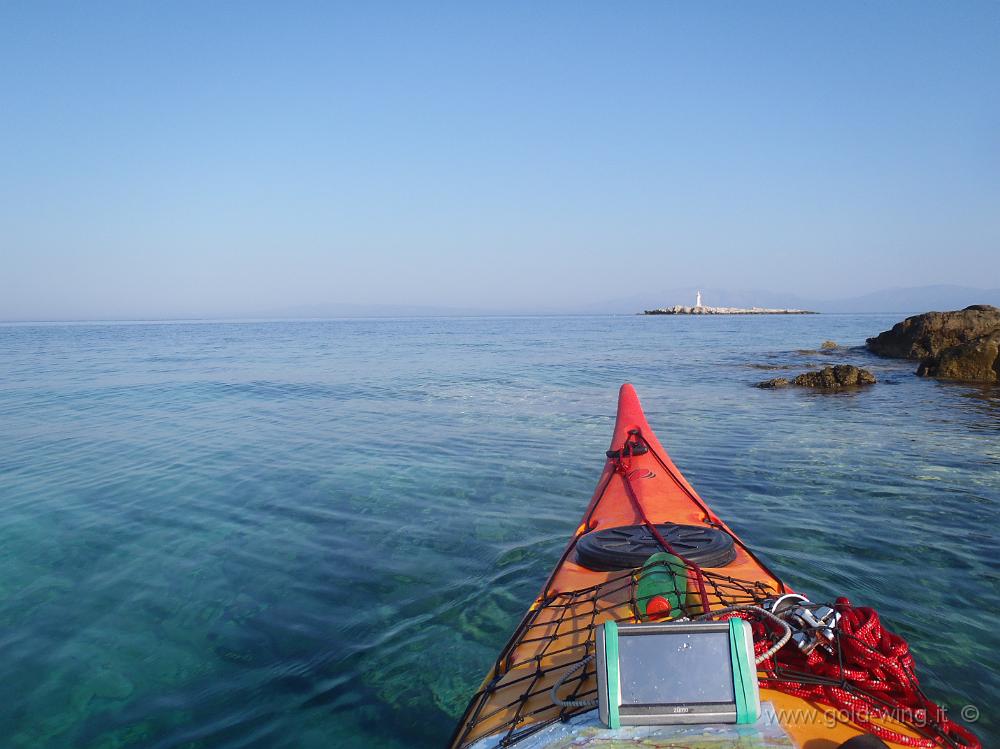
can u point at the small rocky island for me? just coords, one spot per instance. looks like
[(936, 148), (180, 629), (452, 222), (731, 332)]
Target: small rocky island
[(700, 309), (959, 345), (681, 310)]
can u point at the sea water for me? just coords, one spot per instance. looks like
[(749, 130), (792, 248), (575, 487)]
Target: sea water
[(320, 533)]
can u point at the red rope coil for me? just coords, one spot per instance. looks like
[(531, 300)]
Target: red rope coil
[(868, 676)]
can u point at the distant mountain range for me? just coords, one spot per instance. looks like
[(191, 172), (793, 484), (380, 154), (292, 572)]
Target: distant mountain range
[(913, 300)]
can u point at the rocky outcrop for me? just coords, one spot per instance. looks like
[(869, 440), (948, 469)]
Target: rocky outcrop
[(831, 378), (828, 378), (960, 345), (927, 335), (975, 361)]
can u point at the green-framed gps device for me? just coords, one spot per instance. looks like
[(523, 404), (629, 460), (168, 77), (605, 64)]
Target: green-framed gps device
[(686, 672)]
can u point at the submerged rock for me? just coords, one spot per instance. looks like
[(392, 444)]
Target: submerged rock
[(975, 361), (769, 366), (929, 334), (830, 378), (415, 675), (777, 382), (829, 345)]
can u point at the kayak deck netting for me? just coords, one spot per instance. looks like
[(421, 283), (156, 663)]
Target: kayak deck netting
[(557, 633)]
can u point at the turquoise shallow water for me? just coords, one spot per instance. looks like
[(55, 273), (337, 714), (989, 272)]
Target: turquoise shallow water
[(318, 534)]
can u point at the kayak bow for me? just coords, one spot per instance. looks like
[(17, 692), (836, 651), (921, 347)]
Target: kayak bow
[(639, 486)]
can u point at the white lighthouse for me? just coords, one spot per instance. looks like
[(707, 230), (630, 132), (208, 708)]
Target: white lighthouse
[(697, 299)]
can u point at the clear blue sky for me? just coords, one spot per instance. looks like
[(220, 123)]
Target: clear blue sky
[(173, 158)]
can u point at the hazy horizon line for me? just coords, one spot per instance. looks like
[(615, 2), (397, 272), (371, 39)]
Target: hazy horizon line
[(897, 300), (457, 316)]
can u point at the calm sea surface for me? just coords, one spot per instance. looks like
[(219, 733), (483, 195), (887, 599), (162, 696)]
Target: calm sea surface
[(319, 534)]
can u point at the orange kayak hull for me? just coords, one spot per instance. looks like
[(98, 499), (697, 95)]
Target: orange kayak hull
[(515, 694)]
